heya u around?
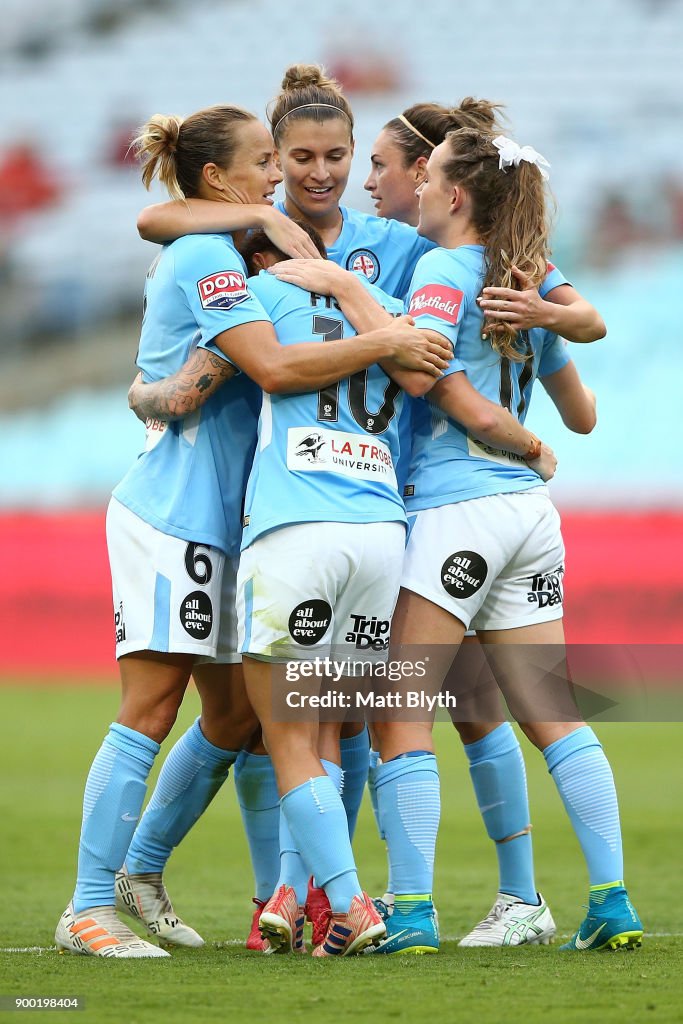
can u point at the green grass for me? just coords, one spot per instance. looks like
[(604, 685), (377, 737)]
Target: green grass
[(47, 739)]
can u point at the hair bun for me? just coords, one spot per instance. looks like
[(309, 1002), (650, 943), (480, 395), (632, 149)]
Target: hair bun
[(299, 76)]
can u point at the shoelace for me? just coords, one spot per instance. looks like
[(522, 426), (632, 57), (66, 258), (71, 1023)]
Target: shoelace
[(494, 915)]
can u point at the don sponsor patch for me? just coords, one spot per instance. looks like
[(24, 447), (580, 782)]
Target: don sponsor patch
[(223, 290), (336, 451), (436, 300)]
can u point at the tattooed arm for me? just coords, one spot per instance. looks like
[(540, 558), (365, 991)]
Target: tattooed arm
[(174, 397)]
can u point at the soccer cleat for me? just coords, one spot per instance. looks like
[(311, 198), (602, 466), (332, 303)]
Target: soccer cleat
[(413, 929), (611, 923), (351, 933), (511, 922), (254, 940), (282, 922), (384, 909), (144, 898), (98, 932), (318, 912)]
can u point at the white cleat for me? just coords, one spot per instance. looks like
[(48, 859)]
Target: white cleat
[(144, 898), (98, 932), (510, 922)]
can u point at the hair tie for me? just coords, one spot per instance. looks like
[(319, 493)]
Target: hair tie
[(413, 129), (509, 153)]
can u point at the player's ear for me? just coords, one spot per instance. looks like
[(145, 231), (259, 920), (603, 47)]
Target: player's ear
[(419, 170), (458, 195)]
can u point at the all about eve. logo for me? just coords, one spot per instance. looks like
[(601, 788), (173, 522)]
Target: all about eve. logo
[(196, 615), (463, 573), (309, 622)]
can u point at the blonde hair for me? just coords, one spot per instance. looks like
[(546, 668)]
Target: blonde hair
[(175, 150), (429, 123), (307, 94), (510, 215)]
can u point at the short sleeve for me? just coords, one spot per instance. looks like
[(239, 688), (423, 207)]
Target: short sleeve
[(211, 275), (552, 279), (554, 355), (435, 303)]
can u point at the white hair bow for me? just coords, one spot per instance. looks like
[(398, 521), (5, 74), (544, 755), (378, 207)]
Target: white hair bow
[(511, 153)]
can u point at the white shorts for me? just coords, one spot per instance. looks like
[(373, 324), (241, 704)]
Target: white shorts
[(167, 592), (495, 562), (305, 589)]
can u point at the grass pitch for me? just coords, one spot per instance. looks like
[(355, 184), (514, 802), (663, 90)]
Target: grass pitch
[(48, 736)]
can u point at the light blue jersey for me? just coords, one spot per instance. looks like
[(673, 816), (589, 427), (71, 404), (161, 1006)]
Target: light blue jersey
[(448, 465), (326, 456), (191, 483), (384, 251)]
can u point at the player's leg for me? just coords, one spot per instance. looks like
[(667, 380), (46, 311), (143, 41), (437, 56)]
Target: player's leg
[(153, 687), (152, 609), (498, 776), (581, 772), (193, 772), (289, 581), (407, 781)]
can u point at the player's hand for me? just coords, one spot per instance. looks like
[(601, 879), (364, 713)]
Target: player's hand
[(289, 237), (135, 397), (320, 276), (522, 309), (419, 350), (546, 464)]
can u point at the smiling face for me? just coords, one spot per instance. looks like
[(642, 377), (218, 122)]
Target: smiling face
[(316, 161), (390, 183), (253, 173)]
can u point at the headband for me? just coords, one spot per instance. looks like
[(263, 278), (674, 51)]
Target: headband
[(510, 153), (414, 130), (303, 107)]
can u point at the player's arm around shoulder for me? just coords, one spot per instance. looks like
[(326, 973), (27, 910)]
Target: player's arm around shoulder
[(574, 401)]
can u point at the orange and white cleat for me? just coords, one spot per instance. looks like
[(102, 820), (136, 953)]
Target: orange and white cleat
[(282, 922), (98, 932), (254, 940), (318, 912), (351, 933)]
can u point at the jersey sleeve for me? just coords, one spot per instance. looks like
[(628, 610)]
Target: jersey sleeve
[(554, 355), (436, 303), (211, 276), (552, 279)]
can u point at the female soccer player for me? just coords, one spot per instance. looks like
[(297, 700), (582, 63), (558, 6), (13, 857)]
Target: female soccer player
[(485, 540), (174, 520), (312, 124)]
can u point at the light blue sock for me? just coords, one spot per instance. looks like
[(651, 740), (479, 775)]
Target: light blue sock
[(499, 779), (259, 802), (584, 778), (355, 764), (293, 870), (317, 821), (409, 809), (114, 794), (192, 774)]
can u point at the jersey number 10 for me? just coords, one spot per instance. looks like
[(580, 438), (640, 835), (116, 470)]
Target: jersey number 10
[(328, 398)]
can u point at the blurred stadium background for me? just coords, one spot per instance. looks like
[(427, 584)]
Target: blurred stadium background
[(595, 85)]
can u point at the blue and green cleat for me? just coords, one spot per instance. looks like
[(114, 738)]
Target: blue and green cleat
[(611, 922), (412, 927)]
